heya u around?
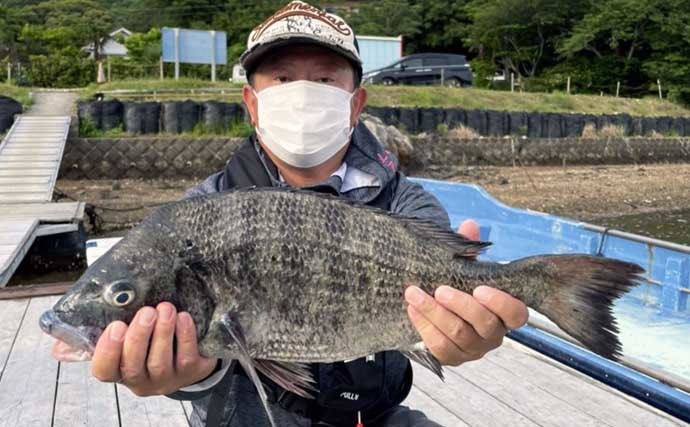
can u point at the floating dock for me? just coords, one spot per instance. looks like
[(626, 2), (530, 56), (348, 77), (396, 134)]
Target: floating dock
[(30, 156)]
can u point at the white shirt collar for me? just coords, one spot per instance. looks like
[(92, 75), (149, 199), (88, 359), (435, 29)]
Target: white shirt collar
[(351, 178)]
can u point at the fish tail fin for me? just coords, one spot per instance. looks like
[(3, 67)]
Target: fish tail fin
[(581, 290)]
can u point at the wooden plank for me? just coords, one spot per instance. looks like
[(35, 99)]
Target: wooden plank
[(31, 172), (27, 387), (65, 212), (26, 180), (27, 291), (10, 237), (18, 149), (535, 403), (33, 145), (82, 400), (11, 315), (468, 401), (27, 165), (23, 198), (7, 157), (597, 399), (154, 411), (435, 411), (25, 188), (15, 225)]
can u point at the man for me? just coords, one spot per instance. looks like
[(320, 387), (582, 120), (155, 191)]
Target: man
[(305, 101)]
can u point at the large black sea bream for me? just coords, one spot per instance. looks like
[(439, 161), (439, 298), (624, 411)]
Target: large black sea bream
[(278, 278)]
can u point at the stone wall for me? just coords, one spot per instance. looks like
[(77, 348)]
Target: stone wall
[(432, 156), (144, 157), (177, 117)]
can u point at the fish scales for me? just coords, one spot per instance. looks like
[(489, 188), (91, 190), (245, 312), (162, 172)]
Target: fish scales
[(298, 267)]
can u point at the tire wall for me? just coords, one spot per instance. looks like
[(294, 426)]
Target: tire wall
[(8, 109), (183, 116), (532, 125)]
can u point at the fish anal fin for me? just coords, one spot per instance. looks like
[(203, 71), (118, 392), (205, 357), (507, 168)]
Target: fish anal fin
[(420, 354), (234, 330), (294, 377)]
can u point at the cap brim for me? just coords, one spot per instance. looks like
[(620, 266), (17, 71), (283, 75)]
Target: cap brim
[(250, 59)]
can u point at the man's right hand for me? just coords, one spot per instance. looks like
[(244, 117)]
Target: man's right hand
[(140, 356)]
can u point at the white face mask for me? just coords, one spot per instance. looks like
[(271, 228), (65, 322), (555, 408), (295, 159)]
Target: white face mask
[(304, 123)]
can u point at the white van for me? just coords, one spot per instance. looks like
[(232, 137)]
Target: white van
[(238, 74)]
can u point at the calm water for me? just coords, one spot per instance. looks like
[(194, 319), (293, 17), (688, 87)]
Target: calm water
[(671, 226)]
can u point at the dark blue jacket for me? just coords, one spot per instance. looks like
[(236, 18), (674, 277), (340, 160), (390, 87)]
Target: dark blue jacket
[(370, 386)]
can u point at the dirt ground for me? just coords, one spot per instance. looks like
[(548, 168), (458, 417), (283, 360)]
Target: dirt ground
[(584, 192)]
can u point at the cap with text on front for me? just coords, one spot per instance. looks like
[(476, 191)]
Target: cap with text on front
[(299, 22)]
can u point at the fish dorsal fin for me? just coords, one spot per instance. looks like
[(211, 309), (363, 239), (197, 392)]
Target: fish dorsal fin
[(294, 377), (459, 244), (235, 331)]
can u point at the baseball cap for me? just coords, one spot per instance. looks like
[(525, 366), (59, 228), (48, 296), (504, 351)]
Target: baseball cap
[(301, 23)]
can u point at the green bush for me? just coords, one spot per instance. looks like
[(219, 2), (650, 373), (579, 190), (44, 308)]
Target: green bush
[(68, 67)]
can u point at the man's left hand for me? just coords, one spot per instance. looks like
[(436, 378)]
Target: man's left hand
[(458, 327)]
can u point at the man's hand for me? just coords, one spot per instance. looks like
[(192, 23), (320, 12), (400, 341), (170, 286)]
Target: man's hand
[(457, 327), (140, 355)]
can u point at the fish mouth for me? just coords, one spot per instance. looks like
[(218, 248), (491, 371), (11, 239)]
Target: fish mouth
[(82, 338)]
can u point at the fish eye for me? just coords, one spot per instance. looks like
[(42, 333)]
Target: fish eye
[(119, 293)]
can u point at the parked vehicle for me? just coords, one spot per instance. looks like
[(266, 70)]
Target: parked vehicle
[(424, 69)]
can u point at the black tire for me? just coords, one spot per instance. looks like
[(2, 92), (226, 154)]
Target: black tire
[(454, 82), (387, 81)]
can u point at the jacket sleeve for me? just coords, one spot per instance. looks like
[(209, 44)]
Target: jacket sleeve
[(207, 186), (410, 199)]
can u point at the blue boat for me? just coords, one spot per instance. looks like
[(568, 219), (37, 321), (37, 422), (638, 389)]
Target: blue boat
[(654, 317)]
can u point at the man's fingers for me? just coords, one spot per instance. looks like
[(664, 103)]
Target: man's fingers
[(483, 321), (160, 357), (189, 363), (133, 362), (470, 229), (511, 311), (187, 350), (449, 323), (105, 364), (436, 341)]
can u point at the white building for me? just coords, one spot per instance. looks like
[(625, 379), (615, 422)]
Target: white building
[(110, 46)]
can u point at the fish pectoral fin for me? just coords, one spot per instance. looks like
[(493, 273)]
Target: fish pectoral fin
[(293, 377), (234, 330), (420, 354)]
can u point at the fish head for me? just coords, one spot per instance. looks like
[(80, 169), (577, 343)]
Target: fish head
[(113, 288)]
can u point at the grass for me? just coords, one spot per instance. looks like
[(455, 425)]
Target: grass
[(420, 96), (184, 85), (436, 96), (20, 94)]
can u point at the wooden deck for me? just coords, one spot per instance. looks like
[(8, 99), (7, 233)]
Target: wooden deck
[(512, 386)]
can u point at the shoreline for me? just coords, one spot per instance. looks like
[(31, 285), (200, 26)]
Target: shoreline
[(585, 193)]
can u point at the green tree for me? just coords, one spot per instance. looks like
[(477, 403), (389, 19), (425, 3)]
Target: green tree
[(519, 35), (386, 18)]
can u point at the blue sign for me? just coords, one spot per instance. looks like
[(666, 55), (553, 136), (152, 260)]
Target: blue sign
[(194, 46)]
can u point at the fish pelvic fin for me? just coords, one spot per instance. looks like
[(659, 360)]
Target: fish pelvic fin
[(294, 377), (420, 354), (581, 291), (235, 332)]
